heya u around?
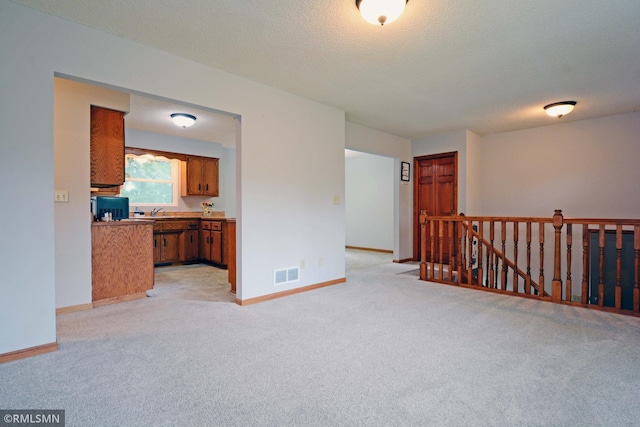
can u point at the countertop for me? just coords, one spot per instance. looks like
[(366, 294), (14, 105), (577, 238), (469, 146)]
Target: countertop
[(151, 220), (130, 221)]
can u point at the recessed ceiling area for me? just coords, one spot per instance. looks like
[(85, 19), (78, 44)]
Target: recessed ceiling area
[(483, 66), (154, 115)]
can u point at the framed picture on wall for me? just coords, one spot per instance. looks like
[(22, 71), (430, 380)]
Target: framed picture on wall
[(405, 167)]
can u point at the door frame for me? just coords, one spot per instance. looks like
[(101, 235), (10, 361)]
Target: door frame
[(416, 212)]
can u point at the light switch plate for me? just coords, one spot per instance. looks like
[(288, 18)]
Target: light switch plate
[(61, 196)]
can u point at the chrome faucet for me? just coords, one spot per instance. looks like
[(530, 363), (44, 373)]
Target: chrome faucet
[(157, 211)]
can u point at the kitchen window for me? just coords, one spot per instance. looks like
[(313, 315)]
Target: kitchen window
[(151, 180)]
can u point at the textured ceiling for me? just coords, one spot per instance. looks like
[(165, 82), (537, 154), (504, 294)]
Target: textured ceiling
[(486, 66)]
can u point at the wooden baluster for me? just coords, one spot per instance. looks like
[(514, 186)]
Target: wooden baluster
[(601, 270), (496, 261), (452, 259), (584, 299), (515, 256), (541, 278), (568, 285), (618, 294), (492, 232), (556, 283), (503, 236), (636, 269), (423, 245), (441, 248), (480, 245), (460, 250), (432, 255), (470, 265), (464, 252), (527, 282)]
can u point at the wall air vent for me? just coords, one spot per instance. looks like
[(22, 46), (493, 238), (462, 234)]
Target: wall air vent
[(286, 275)]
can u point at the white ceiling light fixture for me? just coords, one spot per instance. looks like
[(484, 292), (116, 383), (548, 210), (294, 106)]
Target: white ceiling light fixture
[(381, 11), (559, 109), (183, 120)]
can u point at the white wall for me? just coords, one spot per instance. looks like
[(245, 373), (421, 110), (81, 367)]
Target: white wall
[(291, 155), (444, 143), (587, 168), (367, 140), (474, 171), (228, 188), (369, 201), (72, 127)]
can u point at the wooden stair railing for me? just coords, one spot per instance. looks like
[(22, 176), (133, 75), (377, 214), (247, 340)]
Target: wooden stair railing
[(513, 265), (612, 244)]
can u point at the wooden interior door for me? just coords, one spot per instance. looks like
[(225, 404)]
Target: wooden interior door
[(436, 192)]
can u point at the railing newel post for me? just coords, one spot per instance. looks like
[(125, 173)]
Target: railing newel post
[(556, 284), (527, 282), (636, 268), (515, 255), (569, 284), (423, 245)]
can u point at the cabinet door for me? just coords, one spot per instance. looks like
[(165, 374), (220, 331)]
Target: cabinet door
[(195, 167), (157, 248), (205, 245), (192, 245), (210, 177), (107, 147), (170, 245), (216, 247)]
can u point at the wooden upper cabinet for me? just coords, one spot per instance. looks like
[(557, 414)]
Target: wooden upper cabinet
[(194, 175), (107, 147), (201, 176), (210, 177)]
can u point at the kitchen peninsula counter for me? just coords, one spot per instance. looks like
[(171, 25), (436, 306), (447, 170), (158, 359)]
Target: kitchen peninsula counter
[(121, 260)]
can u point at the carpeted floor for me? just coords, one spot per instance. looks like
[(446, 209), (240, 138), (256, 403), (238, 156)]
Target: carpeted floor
[(381, 349)]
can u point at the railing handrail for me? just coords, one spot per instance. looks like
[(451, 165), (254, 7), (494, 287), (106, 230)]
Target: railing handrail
[(604, 221), (488, 218), (549, 220)]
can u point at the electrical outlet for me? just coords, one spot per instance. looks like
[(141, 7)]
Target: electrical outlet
[(336, 200), (61, 196), (190, 205), (320, 262), (302, 263)]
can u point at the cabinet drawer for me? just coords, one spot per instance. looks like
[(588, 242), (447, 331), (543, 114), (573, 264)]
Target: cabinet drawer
[(175, 226), (212, 225)]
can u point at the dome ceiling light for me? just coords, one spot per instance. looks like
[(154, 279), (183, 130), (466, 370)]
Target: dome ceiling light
[(381, 11), (559, 109), (183, 120)]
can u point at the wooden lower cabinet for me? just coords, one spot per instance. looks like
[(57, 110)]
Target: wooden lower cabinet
[(212, 246), (176, 241), (212, 242), (183, 241), (191, 245), (166, 248)]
